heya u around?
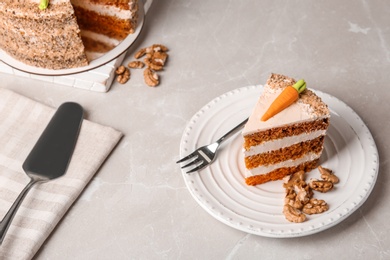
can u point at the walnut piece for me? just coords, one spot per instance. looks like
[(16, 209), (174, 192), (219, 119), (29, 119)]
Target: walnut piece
[(292, 200), (156, 60), (292, 214), (157, 48), (140, 53), (304, 193), (151, 77), (315, 206), (297, 191), (124, 77), (120, 70), (136, 64), (296, 179), (160, 58), (328, 175), (149, 62), (321, 186)]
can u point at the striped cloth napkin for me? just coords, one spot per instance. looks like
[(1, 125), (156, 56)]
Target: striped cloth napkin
[(22, 121)]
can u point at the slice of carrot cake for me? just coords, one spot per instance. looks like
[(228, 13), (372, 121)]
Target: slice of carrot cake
[(288, 141)]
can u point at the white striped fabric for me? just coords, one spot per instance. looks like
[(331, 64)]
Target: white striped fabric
[(22, 121)]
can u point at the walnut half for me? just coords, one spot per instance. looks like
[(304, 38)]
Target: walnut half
[(151, 77), (315, 206), (136, 64), (295, 179), (321, 186), (328, 175), (293, 215), (140, 53), (123, 74), (120, 70)]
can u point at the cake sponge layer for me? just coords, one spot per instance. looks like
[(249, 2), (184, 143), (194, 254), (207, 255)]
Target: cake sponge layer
[(292, 152), (110, 26), (280, 173), (284, 131)]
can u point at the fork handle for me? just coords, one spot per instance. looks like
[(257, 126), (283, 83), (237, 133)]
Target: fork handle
[(232, 131)]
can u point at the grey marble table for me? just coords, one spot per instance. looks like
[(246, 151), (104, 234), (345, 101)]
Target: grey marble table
[(138, 207)]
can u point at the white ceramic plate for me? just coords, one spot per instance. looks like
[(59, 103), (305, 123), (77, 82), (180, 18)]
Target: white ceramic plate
[(106, 58), (349, 150)]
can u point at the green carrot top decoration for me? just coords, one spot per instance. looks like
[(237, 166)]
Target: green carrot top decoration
[(43, 4)]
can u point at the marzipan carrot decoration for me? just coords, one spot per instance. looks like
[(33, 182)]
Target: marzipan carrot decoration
[(288, 96)]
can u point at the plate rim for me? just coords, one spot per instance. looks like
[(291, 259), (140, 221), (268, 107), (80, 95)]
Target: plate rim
[(369, 141), (111, 55)]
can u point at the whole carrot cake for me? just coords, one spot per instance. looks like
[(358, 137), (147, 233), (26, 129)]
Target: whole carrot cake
[(66, 33), (289, 141)]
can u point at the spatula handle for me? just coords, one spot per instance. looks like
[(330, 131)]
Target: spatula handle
[(6, 222)]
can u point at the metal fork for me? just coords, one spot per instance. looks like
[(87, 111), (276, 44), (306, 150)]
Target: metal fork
[(205, 155)]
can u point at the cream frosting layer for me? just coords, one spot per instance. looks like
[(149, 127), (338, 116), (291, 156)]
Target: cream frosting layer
[(100, 38), (264, 169), (104, 10), (93, 55), (283, 142), (298, 112)]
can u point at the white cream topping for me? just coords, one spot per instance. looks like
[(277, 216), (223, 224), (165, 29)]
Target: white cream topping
[(289, 163), (103, 10), (295, 113), (100, 37), (93, 55), (283, 142)]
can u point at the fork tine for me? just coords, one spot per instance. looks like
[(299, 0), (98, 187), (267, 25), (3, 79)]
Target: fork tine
[(197, 160), (199, 167), (191, 155)]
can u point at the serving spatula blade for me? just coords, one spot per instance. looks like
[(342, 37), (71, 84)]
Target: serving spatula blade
[(50, 156)]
